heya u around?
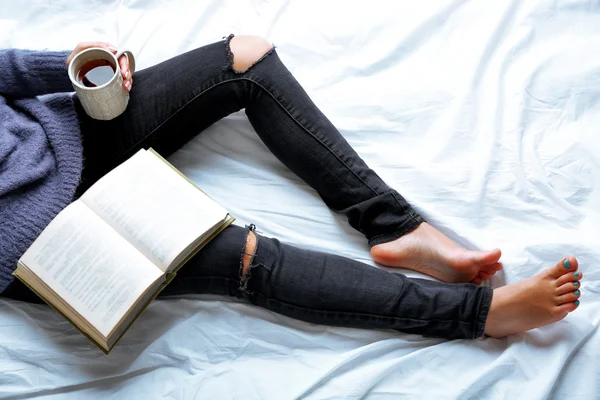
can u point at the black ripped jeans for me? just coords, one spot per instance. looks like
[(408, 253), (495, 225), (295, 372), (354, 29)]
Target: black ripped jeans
[(175, 100)]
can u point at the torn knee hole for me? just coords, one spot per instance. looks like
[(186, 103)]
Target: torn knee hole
[(246, 51), (249, 252), (247, 256)]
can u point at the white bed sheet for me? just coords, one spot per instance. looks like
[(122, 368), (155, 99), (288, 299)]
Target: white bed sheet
[(485, 115)]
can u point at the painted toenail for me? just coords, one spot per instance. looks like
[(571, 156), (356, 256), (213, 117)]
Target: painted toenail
[(575, 283), (576, 302), (566, 263), (576, 274), (576, 293)]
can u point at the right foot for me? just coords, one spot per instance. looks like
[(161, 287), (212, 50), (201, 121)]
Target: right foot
[(430, 252), (541, 300)]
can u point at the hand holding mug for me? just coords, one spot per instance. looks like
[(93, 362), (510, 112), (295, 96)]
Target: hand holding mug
[(102, 77), (123, 60)]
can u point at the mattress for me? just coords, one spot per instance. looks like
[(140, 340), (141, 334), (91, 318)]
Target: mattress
[(484, 115)]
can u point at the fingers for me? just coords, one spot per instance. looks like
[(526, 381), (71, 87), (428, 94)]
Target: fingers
[(86, 45), (125, 72), (123, 60)]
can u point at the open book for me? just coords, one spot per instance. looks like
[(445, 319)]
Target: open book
[(107, 255)]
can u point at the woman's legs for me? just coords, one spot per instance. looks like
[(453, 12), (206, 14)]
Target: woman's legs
[(173, 101), (327, 289)]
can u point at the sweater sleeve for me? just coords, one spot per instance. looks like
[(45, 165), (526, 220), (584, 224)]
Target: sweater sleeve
[(25, 73)]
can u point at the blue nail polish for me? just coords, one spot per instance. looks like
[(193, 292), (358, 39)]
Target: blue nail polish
[(576, 293), (566, 263), (576, 302), (576, 274), (575, 283)]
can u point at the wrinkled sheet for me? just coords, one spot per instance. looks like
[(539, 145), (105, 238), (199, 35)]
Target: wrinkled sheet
[(484, 115)]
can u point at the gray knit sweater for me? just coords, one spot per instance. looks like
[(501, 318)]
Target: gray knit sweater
[(40, 149)]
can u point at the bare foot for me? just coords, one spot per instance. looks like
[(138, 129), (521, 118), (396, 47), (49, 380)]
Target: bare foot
[(429, 251), (541, 300)]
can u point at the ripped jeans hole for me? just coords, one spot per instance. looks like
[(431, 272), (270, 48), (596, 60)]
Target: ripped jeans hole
[(246, 273), (230, 56)]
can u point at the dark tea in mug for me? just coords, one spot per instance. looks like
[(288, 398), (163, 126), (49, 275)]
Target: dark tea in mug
[(96, 73)]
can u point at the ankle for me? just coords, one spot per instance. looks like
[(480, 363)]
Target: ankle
[(493, 321)]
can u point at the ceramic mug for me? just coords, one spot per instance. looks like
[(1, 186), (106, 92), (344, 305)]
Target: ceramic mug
[(110, 99)]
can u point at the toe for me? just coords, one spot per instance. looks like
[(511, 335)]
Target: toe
[(564, 266), (569, 307), (569, 297), (568, 288), (477, 280), (573, 277), (491, 269), (484, 276), (488, 257)]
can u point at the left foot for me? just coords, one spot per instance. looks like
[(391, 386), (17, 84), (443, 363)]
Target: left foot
[(540, 300), (429, 251)]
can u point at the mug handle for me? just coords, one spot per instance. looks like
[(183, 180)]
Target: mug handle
[(130, 58)]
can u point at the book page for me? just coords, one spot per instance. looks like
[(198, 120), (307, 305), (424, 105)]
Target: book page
[(98, 273), (153, 207)]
